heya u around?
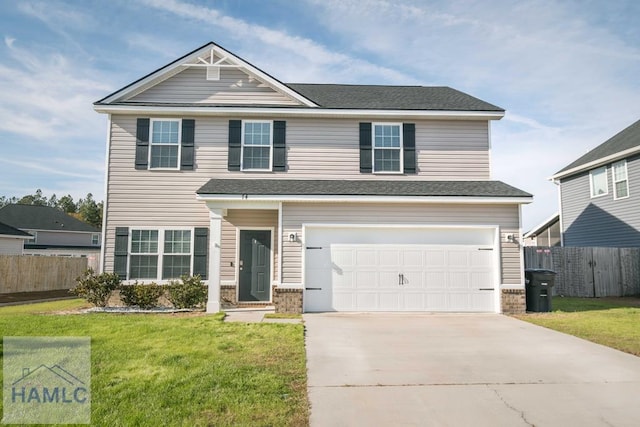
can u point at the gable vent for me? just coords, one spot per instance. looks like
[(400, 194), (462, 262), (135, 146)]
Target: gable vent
[(213, 72)]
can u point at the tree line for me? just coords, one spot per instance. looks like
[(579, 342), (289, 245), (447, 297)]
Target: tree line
[(87, 209)]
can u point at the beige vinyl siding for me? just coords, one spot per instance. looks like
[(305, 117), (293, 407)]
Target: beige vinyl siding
[(233, 88), (10, 246), (294, 215), (316, 148), (239, 218)]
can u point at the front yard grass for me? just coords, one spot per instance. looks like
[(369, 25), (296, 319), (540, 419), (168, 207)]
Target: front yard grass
[(180, 369), (614, 322)]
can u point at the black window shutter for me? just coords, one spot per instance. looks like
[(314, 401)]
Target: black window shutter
[(235, 144), (279, 146), (121, 252), (200, 250), (188, 138), (409, 147), (142, 144), (365, 148)]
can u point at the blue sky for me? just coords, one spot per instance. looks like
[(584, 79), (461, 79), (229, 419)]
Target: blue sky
[(565, 71)]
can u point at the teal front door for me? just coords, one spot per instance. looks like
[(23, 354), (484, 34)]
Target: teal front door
[(254, 265)]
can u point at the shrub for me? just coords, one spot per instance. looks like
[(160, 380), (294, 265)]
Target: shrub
[(191, 293), (145, 296), (96, 288)]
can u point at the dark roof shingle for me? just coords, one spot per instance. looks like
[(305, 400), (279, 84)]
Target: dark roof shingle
[(8, 230), (624, 140), (33, 217), (290, 187), (391, 97)]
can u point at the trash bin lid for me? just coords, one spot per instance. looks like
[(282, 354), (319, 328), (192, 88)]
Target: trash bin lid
[(539, 271)]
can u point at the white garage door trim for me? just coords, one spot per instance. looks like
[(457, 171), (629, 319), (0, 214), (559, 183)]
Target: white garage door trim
[(394, 237)]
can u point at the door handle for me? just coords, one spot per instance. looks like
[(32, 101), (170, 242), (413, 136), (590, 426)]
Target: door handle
[(400, 279)]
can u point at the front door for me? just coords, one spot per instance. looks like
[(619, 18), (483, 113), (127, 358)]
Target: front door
[(254, 265)]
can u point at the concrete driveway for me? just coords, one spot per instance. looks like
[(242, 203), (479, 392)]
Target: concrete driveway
[(463, 370)]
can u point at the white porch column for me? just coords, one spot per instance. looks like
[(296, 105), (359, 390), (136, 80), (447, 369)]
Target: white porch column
[(215, 237)]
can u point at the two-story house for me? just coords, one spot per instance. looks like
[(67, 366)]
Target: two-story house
[(600, 194), (316, 197)]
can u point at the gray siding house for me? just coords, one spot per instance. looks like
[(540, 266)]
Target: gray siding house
[(314, 197), (52, 232), (600, 194)]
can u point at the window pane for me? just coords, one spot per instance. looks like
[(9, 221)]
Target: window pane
[(143, 267), (387, 136), (622, 190), (256, 158), (165, 132), (177, 241), (164, 156), (619, 171), (144, 241), (599, 181), (174, 266), (387, 160), (257, 133)]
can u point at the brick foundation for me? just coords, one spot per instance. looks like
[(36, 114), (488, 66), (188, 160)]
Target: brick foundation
[(287, 300), (513, 301), (228, 296)]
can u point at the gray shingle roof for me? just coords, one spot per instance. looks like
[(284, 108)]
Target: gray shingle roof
[(290, 187), (624, 140), (391, 97), (8, 230), (33, 217)]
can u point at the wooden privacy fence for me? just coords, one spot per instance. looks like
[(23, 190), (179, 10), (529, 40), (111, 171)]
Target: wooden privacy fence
[(25, 273), (589, 272)]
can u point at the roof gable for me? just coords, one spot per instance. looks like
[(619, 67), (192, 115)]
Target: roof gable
[(215, 69), (623, 144), (33, 217), (7, 230)]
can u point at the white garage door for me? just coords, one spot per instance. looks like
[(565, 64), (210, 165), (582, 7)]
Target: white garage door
[(378, 269)]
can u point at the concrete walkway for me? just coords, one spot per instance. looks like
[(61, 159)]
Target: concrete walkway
[(463, 370)]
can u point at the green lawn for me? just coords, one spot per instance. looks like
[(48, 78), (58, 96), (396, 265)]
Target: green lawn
[(190, 370), (614, 322)]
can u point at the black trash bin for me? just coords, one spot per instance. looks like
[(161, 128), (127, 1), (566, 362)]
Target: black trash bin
[(538, 284)]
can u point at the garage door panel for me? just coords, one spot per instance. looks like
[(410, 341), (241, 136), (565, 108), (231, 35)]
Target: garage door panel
[(406, 277)]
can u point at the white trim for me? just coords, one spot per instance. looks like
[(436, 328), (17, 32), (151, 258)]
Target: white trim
[(271, 263), (280, 232), (489, 148), (599, 162), (606, 179), (614, 182), (107, 157), (543, 224), (13, 236), (174, 68), (58, 231), (297, 112), (520, 244), (400, 148), (242, 146), (362, 199), (560, 213)]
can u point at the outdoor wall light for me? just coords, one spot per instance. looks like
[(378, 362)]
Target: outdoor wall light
[(293, 237)]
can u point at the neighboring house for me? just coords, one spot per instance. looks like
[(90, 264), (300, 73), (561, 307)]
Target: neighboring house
[(53, 232), (12, 240), (346, 197), (545, 234), (600, 194)]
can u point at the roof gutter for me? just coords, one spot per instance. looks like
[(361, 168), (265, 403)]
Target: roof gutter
[(294, 112), (362, 199), (595, 163)]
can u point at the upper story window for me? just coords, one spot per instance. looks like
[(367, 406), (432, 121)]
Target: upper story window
[(95, 239), (165, 144), (598, 181), (256, 145), (620, 181), (387, 148)]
